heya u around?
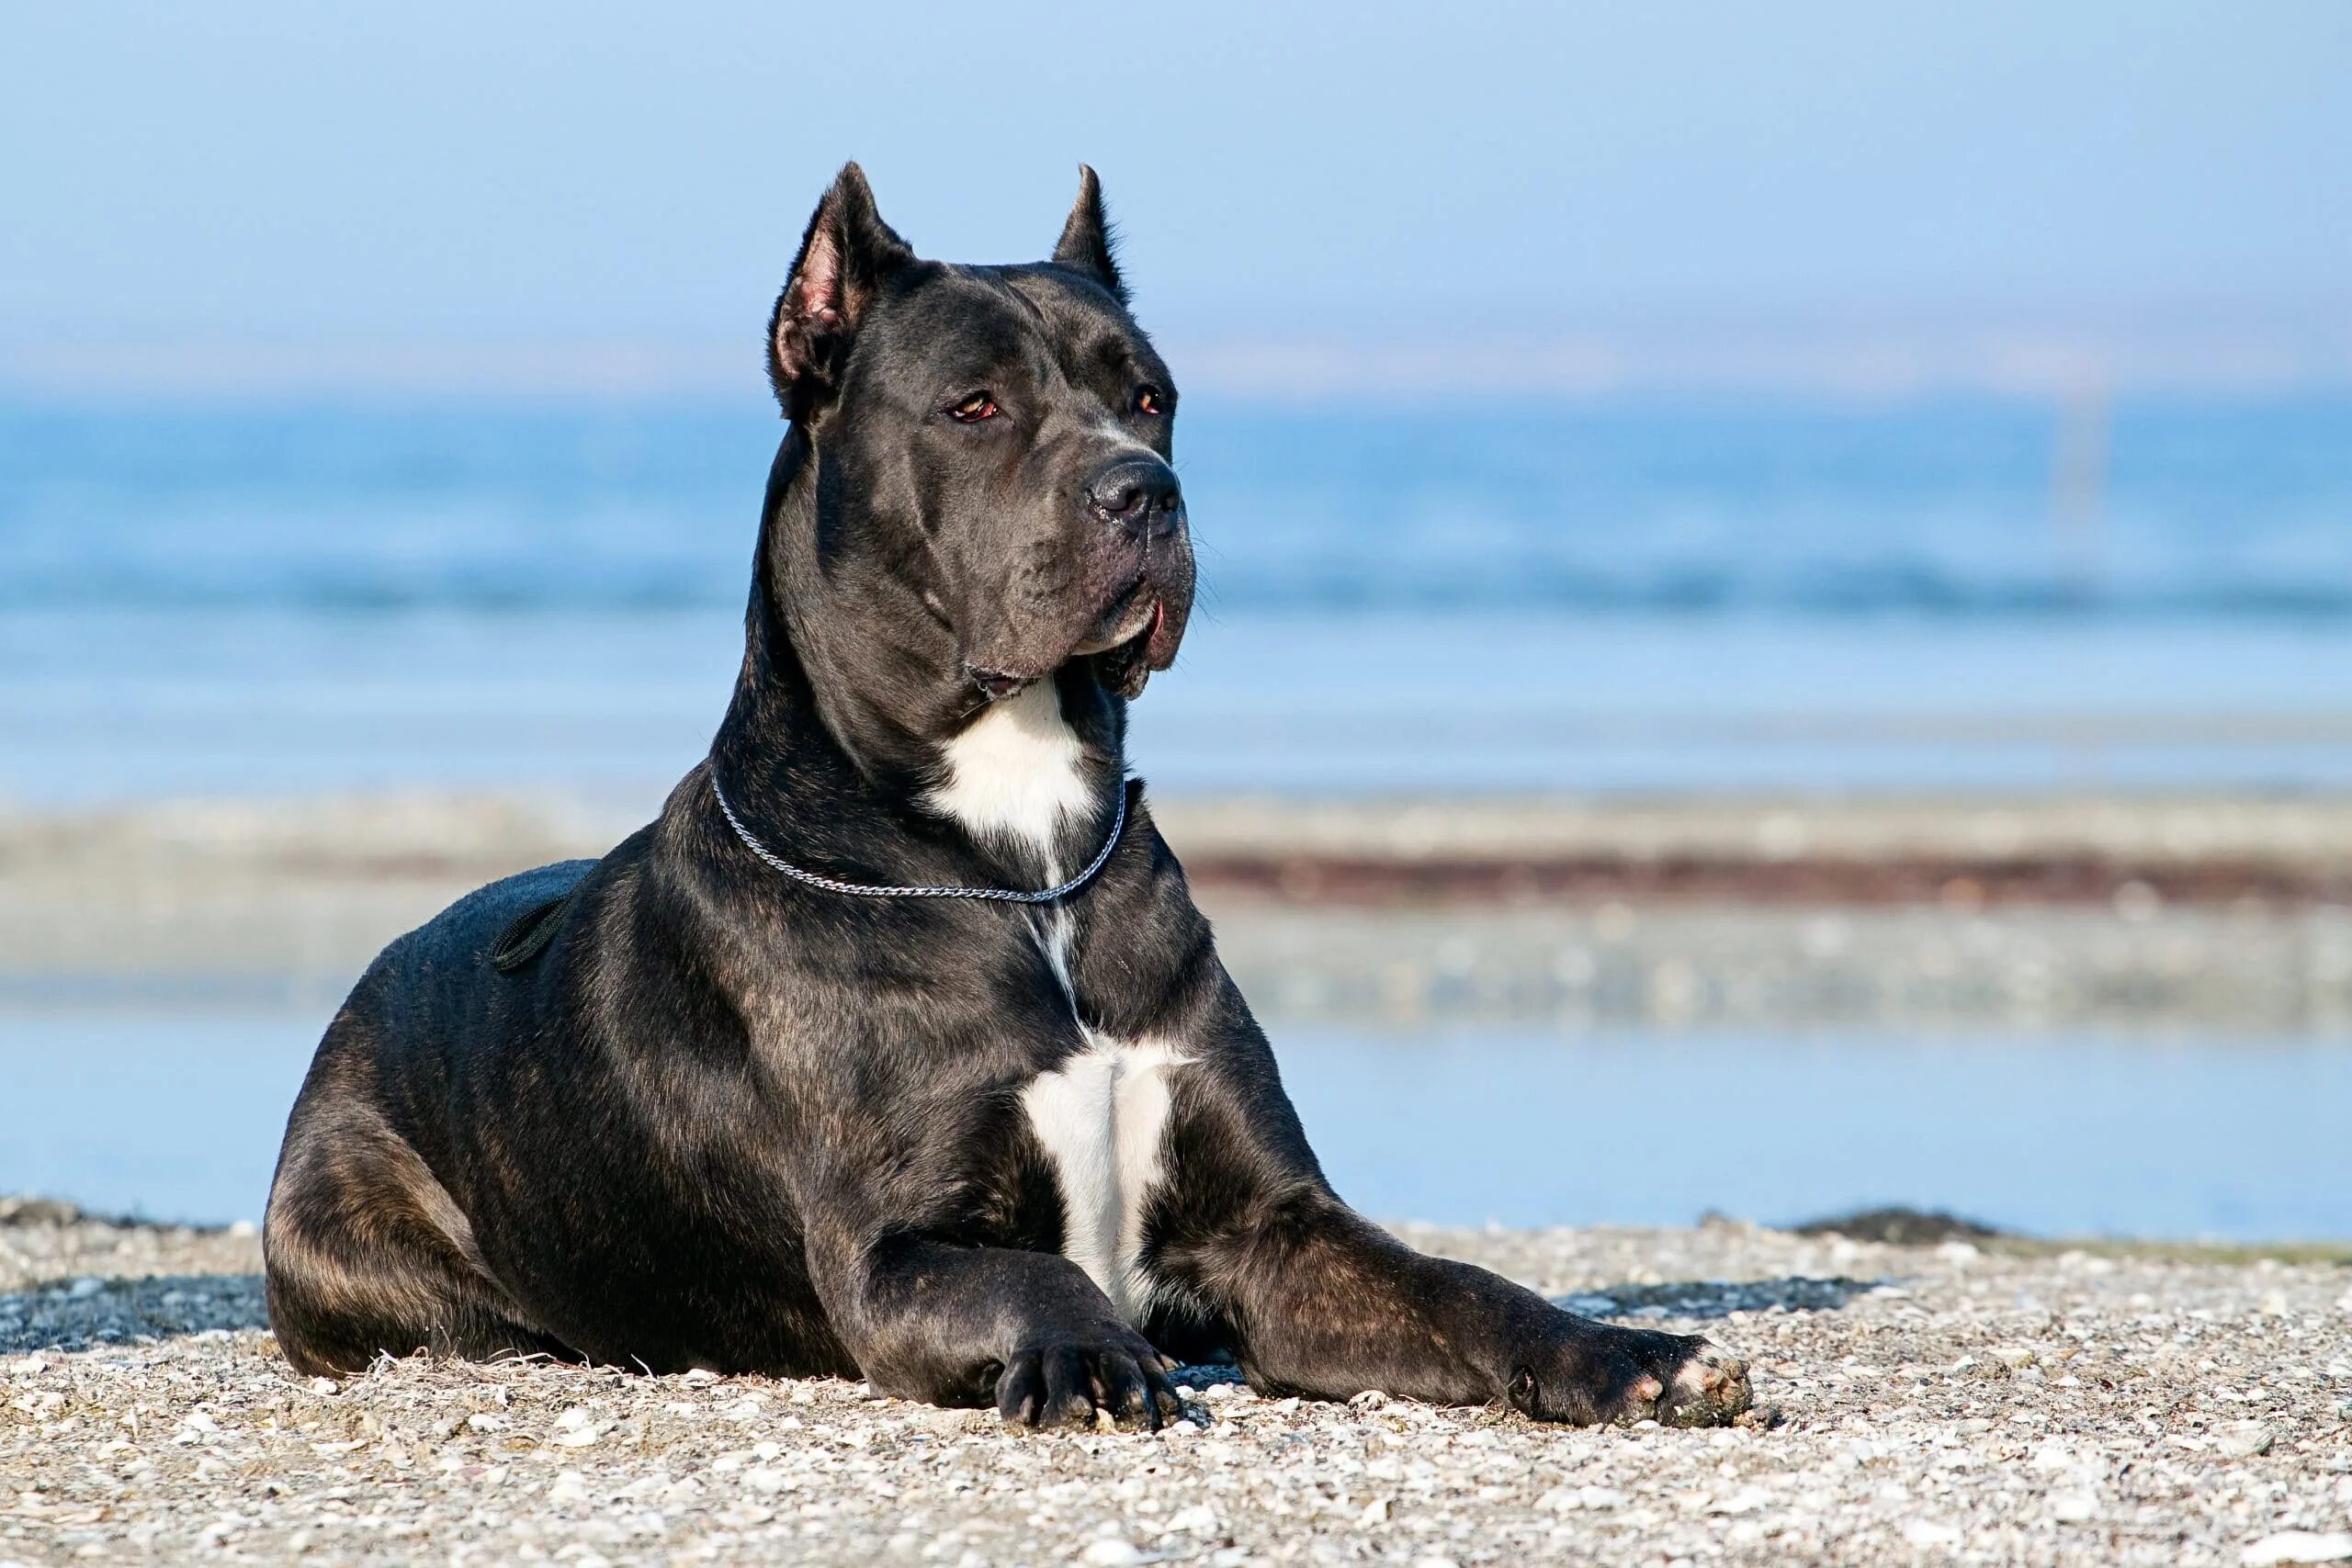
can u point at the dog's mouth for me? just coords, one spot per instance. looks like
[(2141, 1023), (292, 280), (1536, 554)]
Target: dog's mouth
[(1123, 656), (1130, 615), (1135, 633), (1125, 666)]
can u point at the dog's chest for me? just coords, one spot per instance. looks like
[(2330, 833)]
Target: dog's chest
[(1102, 1119), (1101, 1115)]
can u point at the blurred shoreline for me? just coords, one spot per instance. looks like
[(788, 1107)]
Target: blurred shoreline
[(2172, 346), (2214, 912)]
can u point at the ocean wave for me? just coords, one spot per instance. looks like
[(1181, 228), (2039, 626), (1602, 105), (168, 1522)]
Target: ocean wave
[(1914, 594), (2237, 510)]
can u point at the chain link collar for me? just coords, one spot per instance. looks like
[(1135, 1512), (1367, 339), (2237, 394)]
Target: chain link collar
[(869, 890)]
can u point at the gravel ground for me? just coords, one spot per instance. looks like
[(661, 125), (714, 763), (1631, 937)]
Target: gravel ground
[(1926, 1404)]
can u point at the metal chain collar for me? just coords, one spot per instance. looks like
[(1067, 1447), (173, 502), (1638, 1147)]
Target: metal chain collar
[(867, 890)]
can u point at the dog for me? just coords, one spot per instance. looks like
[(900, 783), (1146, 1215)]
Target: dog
[(895, 1047)]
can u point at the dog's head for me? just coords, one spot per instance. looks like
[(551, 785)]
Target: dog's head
[(1006, 432)]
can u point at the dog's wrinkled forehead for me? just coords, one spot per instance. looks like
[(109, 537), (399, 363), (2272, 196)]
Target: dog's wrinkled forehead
[(1020, 333)]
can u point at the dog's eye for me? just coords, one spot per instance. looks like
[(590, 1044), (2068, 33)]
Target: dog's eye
[(1149, 399), (974, 409)]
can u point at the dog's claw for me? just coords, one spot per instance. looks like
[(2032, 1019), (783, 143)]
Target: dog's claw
[(1074, 1386), (1709, 1389), (1600, 1373)]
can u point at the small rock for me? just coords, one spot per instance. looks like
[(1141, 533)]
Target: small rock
[(1110, 1552), (1197, 1520), (1931, 1532), (2052, 1453), (2298, 1546), (2241, 1439), (2072, 1507)]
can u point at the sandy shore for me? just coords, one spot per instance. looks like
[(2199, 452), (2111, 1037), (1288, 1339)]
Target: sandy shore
[(2056, 913), (1934, 1405), (2055, 848)]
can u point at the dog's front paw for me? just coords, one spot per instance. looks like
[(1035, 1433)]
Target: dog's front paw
[(1064, 1383), (1597, 1372), (1708, 1388)]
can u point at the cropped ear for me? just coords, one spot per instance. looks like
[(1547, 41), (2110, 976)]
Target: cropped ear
[(1085, 245), (846, 257)]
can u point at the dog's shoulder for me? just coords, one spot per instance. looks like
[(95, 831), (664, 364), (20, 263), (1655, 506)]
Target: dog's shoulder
[(468, 932)]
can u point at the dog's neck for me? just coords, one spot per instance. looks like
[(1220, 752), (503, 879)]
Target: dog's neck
[(878, 721)]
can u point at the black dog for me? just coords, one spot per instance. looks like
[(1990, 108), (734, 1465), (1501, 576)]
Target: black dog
[(767, 1089)]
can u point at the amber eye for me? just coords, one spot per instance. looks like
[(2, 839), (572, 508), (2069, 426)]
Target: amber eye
[(1151, 400), (974, 409)]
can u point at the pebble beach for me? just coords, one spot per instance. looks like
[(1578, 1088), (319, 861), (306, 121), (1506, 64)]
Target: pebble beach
[(1972, 1401), (1957, 1399)]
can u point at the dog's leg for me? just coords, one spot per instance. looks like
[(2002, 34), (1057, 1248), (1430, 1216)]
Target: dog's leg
[(367, 1253), (1326, 1304), (1027, 1331), (1323, 1302)]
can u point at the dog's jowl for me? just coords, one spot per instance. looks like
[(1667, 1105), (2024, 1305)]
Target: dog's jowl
[(895, 1047)]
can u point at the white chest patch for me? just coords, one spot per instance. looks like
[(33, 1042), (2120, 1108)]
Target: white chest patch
[(1102, 1118), (1015, 772)]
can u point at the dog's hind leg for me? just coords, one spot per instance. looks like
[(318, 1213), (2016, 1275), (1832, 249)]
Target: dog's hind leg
[(367, 1253)]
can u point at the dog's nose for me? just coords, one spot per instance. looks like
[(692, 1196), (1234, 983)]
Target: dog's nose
[(1140, 493)]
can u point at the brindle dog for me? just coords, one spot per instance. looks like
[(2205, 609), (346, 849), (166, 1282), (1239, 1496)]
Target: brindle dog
[(682, 1108)]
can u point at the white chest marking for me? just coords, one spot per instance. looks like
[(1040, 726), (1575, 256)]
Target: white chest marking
[(1102, 1118), (1015, 772), (1103, 1114)]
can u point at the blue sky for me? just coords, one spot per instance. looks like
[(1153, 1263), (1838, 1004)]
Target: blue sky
[(284, 173)]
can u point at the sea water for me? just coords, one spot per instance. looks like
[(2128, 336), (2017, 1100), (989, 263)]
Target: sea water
[(178, 1115), (1636, 596), (1630, 594)]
